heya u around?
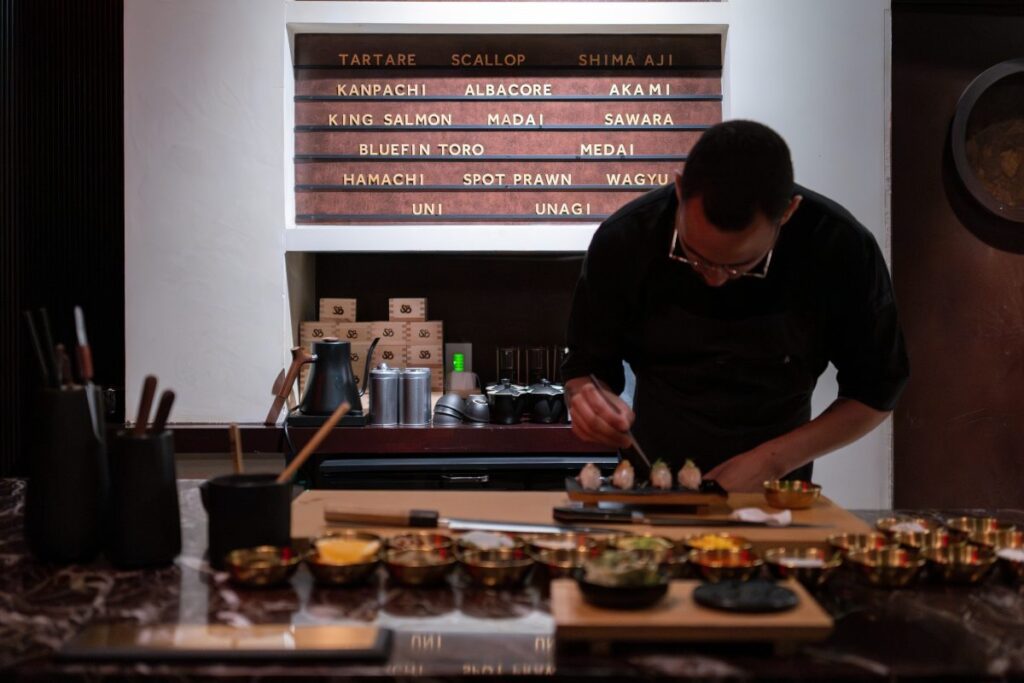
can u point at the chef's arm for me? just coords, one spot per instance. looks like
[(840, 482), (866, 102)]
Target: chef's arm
[(593, 419), (842, 423)]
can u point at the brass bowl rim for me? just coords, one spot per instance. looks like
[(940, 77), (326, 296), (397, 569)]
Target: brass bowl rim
[(517, 542), (969, 524), (231, 558), (987, 556), (786, 486), (467, 558), (741, 542), (883, 525), (860, 557), (618, 542), (833, 541), (451, 558), (829, 560), (752, 560), (389, 542)]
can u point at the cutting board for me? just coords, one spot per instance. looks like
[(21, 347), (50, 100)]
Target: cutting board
[(536, 506), (678, 618)]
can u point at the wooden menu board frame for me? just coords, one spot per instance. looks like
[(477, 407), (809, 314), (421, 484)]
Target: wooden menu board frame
[(494, 128)]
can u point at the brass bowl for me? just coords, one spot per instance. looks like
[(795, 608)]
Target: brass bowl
[(559, 563), (263, 566), (736, 564), (677, 562), (890, 567), (1004, 538), (716, 542), (810, 566), (419, 566), (498, 568), (847, 543), (926, 540), (906, 524), (975, 527), (960, 563), (333, 573), (791, 495), (468, 541), (569, 541), (657, 548), (419, 540)]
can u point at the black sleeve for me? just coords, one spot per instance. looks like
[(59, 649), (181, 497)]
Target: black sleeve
[(867, 344), (598, 317)]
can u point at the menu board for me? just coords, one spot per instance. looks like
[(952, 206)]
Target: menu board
[(494, 128)]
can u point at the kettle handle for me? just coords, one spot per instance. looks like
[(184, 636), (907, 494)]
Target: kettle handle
[(366, 370)]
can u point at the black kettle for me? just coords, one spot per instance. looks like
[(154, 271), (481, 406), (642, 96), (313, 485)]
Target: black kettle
[(331, 380)]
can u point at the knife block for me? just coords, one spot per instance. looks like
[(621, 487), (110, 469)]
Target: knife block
[(67, 492)]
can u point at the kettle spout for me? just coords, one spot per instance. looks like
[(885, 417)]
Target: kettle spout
[(369, 364)]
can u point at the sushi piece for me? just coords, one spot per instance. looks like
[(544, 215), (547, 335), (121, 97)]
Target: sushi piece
[(690, 476), (624, 475), (661, 476), (590, 477)]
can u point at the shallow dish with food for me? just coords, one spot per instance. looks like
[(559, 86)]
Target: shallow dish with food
[(497, 568), (567, 541), (649, 545), (903, 525), (891, 567), (486, 540), (810, 566), (558, 563), (624, 597), (847, 543), (422, 566), (263, 566), (976, 527), (964, 563), (346, 557), (732, 564), (791, 494), (419, 540), (622, 579), (716, 542)]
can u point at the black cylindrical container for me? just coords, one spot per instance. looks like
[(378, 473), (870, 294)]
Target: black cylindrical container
[(145, 524), (66, 496), (245, 511)]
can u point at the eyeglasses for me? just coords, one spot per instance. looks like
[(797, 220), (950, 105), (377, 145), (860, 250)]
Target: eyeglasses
[(676, 253)]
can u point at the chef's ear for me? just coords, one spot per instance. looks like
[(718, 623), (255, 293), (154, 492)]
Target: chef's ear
[(679, 187), (794, 203)]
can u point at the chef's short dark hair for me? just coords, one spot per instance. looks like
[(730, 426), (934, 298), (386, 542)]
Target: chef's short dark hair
[(738, 168)]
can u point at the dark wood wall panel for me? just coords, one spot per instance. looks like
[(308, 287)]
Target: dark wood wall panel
[(62, 207), (958, 272), (583, 112)]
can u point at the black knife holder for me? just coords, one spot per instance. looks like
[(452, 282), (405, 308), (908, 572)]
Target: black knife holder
[(67, 492), (145, 522)]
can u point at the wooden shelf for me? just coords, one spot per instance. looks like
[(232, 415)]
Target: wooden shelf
[(521, 438)]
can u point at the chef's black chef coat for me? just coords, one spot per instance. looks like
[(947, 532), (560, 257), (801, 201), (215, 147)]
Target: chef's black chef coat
[(720, 370)]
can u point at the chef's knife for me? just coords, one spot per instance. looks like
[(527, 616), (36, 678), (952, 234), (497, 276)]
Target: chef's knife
[(628, 516), (431, 519)]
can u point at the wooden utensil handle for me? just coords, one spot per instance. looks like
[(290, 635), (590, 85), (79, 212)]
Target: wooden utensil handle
[(84, 357), (314, 443), (163, 411), (145, 404), (414, 518), (299, 358), (235, 436)]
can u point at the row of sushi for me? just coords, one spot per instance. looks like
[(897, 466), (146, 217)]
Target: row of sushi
[(624, 477)]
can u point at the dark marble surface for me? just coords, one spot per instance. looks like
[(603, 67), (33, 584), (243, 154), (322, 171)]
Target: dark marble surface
[(926, 632)]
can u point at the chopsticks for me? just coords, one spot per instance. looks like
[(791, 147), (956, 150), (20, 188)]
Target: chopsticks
[(629, 432), (314, 443), (145, 404), (235, 436)]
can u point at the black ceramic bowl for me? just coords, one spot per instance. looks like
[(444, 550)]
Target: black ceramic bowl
[(623, 597)]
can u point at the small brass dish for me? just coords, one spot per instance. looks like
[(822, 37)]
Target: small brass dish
[(847, 543), (486, 540), (565, 541), (960, 563), (419, 566), (903, 525), (791, 495), (926, 540), (263, 566), (890, 567), (716, 542), (1005, 538), (810, 566), (975, 527), (559, 563), (498, 568), (736, 564), (657, 548), (419, 540), (341, 571)]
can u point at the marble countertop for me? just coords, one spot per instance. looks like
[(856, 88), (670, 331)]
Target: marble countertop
[(924, 632)]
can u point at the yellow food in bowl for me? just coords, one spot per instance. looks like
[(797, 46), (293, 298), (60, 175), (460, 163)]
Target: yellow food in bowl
[(716, 542), (347, 550)]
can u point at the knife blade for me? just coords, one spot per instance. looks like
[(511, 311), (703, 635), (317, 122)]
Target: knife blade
[(627, 516), (431, 519), (84, 357)]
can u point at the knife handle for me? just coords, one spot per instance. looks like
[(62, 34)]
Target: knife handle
[(408, 518)]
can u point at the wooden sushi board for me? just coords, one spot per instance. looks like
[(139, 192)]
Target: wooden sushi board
[(536, 507), (678, 618), (645, 496)]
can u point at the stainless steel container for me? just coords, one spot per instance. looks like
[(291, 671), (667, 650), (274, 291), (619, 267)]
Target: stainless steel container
[(414, 396), (384, 395)]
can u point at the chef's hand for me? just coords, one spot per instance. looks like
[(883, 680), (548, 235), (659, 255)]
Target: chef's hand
[(593, 419), (746, 471)]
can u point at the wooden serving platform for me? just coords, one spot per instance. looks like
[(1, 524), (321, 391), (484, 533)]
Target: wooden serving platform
[(826, 517), (678, 618)]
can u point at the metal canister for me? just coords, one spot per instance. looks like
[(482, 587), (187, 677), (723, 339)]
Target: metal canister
[(384, 395), (414, 396)]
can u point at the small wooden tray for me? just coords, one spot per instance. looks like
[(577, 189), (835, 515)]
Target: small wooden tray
[(644, 496), (678, 618)]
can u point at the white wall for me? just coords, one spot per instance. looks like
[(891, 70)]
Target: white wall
[(207, 164)]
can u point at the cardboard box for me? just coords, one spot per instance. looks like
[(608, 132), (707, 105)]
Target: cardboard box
[(392, 354), (421, 333), (426, 355), (390, 332), (355, 333), (407, 309), (342, 310), (310, 332)]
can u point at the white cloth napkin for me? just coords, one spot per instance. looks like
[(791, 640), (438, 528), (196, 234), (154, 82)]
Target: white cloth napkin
[(759, 516)]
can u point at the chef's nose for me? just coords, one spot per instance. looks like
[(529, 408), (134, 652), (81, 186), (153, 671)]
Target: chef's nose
[(715, 277)]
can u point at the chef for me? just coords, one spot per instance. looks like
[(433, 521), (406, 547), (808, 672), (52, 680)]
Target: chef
[(728, 293)]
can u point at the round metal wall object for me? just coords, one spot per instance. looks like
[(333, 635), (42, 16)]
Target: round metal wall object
[(994, 98)]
